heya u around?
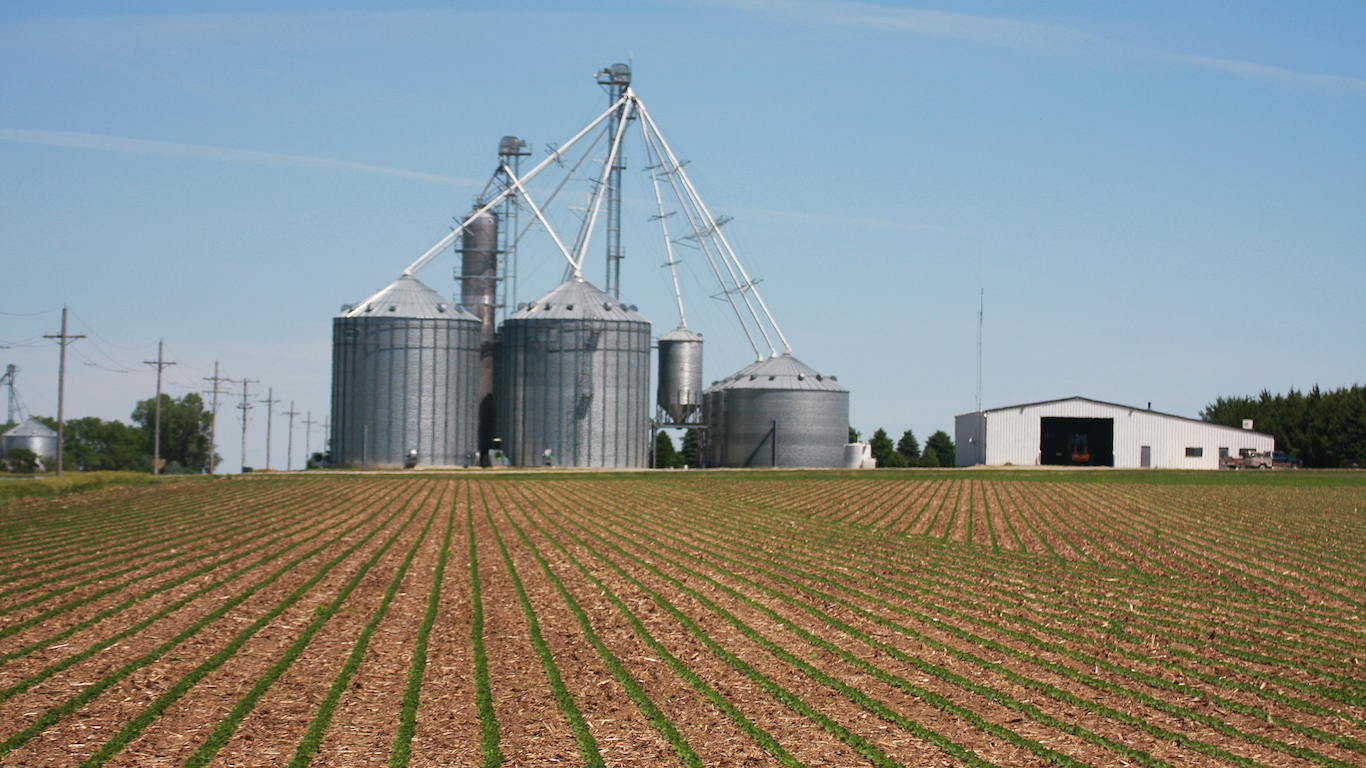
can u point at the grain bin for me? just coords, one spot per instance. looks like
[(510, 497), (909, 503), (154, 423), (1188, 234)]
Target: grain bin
[(777, 412), (405, 368), (35, 436), (680, 374), (574, 379)]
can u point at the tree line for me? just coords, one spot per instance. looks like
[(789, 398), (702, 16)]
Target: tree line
[(1322, 429), (92, 444), (938, 451)]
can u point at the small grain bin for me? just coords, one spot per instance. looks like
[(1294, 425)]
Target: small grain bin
[(777, 412)]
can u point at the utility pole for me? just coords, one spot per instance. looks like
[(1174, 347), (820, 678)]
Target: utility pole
[(213, 425), (308, 438), (289, 453), (66, 338), (160, 363), (244, 407), (270, 402)]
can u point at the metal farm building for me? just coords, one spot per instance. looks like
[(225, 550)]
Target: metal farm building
[(1081, 432)]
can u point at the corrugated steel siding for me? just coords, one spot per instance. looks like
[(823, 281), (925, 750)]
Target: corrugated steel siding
[(579, 387), (1012, 435), (412, 382)]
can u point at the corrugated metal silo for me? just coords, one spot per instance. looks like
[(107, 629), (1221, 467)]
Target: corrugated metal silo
[(574, 379), (405, 366), (680, 373), (35, 436), (777, 412)]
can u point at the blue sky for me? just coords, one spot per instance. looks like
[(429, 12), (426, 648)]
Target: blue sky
[(1164, 202)]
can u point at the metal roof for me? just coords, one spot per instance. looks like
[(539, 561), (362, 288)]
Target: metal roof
[(681, 334), (1112, 405), (781, 372), (408, 298), (578, 299), (31, 428)]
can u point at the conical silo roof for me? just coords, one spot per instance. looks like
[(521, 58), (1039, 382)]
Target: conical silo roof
[(578, 299), (31, 428), (781, 372), (681, 334), (408, 298)]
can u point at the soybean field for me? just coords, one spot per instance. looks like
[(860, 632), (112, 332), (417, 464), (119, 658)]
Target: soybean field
[(769, 618)]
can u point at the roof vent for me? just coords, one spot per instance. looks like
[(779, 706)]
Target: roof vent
[(752, 377), (569, 307), (771, 378), (633, 308), (547, 306), (801, 377), (440, 307), (607, 305), (393, 307), (833, 378)]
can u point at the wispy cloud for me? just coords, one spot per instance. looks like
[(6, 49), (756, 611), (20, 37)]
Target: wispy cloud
[(1017, 35), (218, 154)]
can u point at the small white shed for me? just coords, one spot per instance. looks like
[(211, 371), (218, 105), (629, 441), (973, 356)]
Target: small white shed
[(1078, 432)]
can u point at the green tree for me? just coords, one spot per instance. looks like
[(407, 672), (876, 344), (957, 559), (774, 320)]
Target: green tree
[(942, 445), (881, 447), (185, 425), (22, 461), (895, 461), (691, 455), (854, 435), (908, 447), (665, 455), (1321, 428), (94, 445), (928, 457)]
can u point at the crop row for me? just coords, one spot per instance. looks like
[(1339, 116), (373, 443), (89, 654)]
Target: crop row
[(683, 618)]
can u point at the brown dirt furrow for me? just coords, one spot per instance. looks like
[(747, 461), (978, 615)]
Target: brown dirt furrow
[(206, 704), (706, 729), (533, 730), (800, 735), (367, 716), (447, 728), (222, 561), (623, 733), (277, 722)]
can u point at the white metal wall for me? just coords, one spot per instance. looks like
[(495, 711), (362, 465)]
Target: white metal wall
[(1011, 436)]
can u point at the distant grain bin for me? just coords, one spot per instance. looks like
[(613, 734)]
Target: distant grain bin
[(680, 374), (405, 368), (777, 412), (573, 380), (35, 436)]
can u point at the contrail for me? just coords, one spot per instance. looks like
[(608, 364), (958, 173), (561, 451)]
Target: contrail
[(204, 152)]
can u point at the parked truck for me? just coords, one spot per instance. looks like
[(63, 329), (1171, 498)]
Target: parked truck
[(1260, 460)]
